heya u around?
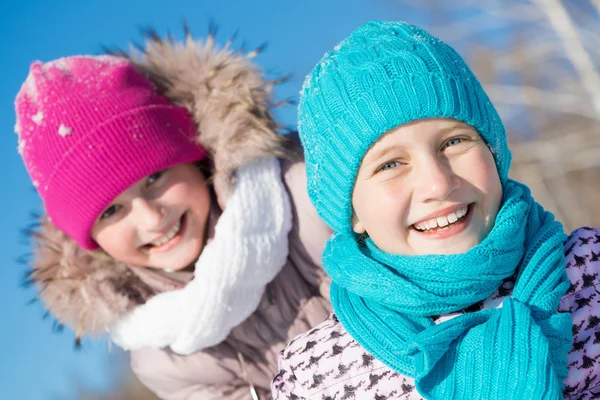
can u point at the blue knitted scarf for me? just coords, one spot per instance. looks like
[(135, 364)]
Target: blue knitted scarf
[(386, 302)]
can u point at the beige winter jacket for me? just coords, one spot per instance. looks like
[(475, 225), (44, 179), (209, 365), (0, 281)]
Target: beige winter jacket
[(295, 301), (89, 291)]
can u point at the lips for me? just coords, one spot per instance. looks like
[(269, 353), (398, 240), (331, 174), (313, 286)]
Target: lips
[(444, 221), (167, 237)]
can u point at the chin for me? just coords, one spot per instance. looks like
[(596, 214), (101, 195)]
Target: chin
[(189, 255), (462, 247), (452, 247), (181, 263), (179, 259)]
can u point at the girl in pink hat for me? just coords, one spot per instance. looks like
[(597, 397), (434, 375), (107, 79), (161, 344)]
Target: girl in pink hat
[(176, 217)]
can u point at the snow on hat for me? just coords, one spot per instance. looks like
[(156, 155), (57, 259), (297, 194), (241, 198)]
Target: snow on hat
[(91, 126)]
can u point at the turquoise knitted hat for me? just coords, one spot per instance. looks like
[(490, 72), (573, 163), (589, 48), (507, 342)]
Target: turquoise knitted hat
[(383, 75)]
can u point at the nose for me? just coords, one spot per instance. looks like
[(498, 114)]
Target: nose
[(436, 180), (148, 215)]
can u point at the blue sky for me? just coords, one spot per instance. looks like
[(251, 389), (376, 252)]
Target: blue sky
[(36, 363)]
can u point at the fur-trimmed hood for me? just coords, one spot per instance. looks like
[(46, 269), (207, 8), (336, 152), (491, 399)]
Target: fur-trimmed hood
[(230, 101)]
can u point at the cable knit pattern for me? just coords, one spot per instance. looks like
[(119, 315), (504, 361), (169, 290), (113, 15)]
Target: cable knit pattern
[(524, 338), (249, 249), (383, 75), (326, 363)]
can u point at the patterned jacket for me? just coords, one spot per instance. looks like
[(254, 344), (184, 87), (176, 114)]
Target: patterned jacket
[(326, 363)]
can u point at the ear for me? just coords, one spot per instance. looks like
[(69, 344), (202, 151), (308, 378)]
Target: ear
[(357, 226)]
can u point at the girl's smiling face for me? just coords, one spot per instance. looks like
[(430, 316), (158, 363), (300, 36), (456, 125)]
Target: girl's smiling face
[(160, 221), (427, 187)]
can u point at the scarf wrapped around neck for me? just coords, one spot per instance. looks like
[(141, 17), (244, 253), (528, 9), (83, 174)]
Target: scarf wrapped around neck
[(519, 351), (249, 248)]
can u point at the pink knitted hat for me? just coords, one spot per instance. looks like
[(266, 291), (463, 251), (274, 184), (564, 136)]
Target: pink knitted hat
[(90, 127)]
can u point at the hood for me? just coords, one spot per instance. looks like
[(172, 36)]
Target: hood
[(231, 103)]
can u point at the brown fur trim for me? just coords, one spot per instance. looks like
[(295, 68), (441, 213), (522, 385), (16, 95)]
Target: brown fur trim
[(230, 102), (227, 95), (83, 289)]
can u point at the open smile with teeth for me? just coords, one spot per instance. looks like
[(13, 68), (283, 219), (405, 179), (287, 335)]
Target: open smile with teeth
[(442, 222), (168, 236)]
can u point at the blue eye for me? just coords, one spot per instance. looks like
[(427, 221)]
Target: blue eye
[(389, 165), (153, 178), (453, 142), (110, 211)]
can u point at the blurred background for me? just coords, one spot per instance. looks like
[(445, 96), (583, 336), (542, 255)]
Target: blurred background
[(538, 60)]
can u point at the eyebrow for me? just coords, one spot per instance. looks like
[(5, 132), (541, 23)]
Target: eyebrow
[(380, 153)]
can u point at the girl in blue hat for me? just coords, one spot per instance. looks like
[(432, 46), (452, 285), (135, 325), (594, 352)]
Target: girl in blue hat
[(449, 281)]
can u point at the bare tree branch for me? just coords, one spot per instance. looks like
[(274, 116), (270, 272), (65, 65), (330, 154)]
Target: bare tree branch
[(576, 53)]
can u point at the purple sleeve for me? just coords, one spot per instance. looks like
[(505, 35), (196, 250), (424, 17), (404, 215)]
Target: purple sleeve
[(582, 253)]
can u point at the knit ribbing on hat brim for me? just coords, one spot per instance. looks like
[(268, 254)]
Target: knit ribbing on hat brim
[(128, 147), (345, 138)]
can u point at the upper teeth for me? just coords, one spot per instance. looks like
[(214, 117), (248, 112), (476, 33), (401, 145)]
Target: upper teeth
[(442, 221), (170, 235)]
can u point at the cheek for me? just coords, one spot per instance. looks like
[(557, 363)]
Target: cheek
[(189, 191), (201, 199), (487, 174), (118, 241), (480, 172), (382, 203), (194, 196)]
